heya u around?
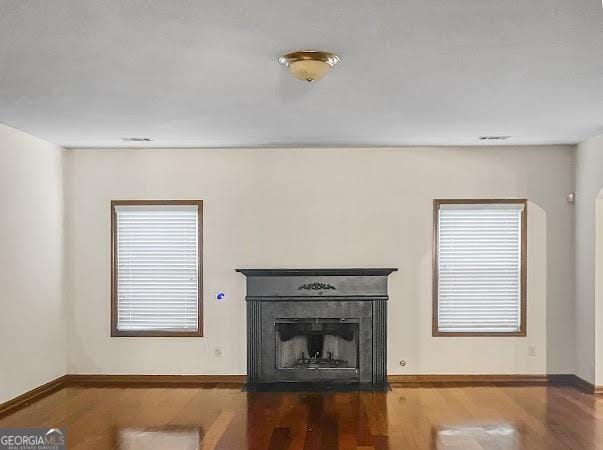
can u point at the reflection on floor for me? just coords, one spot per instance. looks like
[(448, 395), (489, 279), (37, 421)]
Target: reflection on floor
[(405, 418), (476, 437), (147, 438)]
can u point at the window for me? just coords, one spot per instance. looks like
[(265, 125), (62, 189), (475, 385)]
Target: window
[(479, 280), (156, 268)]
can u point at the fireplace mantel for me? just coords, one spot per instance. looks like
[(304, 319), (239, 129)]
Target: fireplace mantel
[(354, 272)]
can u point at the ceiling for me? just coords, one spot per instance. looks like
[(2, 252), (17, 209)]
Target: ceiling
[(192, 73)]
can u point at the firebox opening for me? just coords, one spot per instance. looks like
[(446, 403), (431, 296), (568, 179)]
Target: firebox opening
[(316, 343)]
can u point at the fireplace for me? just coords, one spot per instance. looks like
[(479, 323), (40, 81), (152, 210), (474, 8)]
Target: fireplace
[(317, 343), (316, 328)]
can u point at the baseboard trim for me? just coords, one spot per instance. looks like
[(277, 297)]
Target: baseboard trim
[(31, 396), (576, 381), (155, 380), (237, 381), (494, 380), (467, 380)]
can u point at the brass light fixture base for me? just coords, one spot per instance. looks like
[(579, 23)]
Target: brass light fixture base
[(309, 65)]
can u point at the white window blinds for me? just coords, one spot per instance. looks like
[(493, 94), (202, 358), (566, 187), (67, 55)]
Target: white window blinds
[(157, 266), (479, 268)]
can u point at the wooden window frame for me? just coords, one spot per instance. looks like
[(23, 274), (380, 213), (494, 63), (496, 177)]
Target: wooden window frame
[(114, 307), (523, 275)]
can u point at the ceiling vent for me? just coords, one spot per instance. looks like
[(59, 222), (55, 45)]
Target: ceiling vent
[(493, 138), (136, 139)]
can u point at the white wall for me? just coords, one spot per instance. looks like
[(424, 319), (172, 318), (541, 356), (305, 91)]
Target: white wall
[(32, 338), (320, 208), (589, 315), (599, 289)]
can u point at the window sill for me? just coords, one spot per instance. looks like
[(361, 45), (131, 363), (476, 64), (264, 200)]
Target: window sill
[(155, 333)]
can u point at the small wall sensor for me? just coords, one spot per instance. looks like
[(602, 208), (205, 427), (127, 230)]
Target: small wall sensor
[(220, 296), (571, 197)]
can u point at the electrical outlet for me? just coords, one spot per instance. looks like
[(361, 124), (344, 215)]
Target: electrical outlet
[(531, 350), (218, 352), (403, 363)]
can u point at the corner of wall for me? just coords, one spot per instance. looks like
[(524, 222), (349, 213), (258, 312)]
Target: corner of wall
[(32, 239), (589, 315)]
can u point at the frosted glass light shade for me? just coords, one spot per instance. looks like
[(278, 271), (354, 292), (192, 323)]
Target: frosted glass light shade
[(309, 65), (309, 70)]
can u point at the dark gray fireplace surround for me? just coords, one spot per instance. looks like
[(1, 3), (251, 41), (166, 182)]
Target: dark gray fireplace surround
[(316, 328)]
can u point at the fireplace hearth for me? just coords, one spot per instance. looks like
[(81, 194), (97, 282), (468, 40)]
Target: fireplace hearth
[(316, 329)]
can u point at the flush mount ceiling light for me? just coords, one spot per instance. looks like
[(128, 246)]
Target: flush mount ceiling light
[(309, 65)]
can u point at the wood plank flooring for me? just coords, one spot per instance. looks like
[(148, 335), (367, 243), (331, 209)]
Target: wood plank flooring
[(457, 418)]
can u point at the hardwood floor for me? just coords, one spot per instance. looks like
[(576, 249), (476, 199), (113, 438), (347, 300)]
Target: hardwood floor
[(455, 418)]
